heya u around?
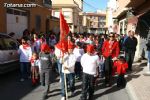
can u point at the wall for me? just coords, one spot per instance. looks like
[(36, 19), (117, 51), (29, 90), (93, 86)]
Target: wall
[(39, 10), (54, 2)]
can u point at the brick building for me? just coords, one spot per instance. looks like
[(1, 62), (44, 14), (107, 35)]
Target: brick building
[(17, 19), (134, 15), (97, 22)]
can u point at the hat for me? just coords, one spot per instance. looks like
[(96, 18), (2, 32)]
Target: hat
[(45, 47), (90, 48)]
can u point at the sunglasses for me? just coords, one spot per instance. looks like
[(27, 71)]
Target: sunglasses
[(111, 36)]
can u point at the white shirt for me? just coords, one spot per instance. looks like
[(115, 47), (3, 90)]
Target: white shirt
[(58, 53), (69, 62), (25, 54), (78, 53), (90, 63)]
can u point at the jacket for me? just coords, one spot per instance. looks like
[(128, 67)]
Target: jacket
[(121, 67), (108, 50)]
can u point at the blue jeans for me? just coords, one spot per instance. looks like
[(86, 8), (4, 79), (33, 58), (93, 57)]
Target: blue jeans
[(70, 79), (25, 69), (130, 58), (101, 69), (149, 56), (59, 65)]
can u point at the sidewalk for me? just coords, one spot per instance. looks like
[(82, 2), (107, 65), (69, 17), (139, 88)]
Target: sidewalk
[(138, 85)]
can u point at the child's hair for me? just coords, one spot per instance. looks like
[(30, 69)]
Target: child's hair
[(35, 54), (122, 58)]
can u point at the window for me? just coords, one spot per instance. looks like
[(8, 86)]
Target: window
[(47, 3), (10, 11), (38, 23), (16, 12), (10, 44), (24, 13), (2, 46)]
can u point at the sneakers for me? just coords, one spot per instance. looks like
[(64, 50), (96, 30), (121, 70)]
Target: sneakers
[(21, 80), (62, 98)]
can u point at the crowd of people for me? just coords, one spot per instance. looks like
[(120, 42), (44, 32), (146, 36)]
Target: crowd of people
[(88, 57)]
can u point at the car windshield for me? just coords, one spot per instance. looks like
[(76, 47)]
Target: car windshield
[(2, 46), (7, 43)]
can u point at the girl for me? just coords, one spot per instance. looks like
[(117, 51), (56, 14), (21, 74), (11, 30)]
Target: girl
[(34, 68)]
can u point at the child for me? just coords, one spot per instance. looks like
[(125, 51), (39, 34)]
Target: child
[(68, 66), (25, 54), (34, 68), (46, 68), (121, 66), (78, 52)]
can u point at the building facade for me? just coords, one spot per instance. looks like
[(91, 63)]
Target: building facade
[(16, 19), (97, 22), (134, 15), (71, 10)]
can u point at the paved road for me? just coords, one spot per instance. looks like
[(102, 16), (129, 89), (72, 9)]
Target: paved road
[(12, 89)]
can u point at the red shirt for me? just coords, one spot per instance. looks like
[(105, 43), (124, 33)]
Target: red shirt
[(110, 48), (121, 67)]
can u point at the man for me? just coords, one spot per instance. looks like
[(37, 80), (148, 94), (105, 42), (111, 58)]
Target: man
[(110, 51), (130, 48), (90, 63), (148, 49)]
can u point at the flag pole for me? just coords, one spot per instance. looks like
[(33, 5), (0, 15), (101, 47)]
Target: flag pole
[(64, 30), (65, 85), (65, 80)]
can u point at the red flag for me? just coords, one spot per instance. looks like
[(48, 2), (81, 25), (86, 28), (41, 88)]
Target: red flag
[(64, 30)]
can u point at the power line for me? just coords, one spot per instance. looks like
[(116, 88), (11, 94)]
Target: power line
[(90, 5)]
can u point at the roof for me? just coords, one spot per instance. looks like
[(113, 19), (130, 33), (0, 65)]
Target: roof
[(95, 14)]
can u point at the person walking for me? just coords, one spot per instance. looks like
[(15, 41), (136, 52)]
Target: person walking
[(46, 69), (78, 52), (34, 69), (68, 65), (148, 49), (90, 63), (110, 51), (25, 54), (130, 48)]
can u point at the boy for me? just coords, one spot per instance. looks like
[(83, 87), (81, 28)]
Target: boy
[(121, 66), (46, 68)]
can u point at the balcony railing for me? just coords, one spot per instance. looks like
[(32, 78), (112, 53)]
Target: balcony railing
[(47, 3)]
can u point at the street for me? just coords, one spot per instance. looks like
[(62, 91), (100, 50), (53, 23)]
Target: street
[(12, 89)]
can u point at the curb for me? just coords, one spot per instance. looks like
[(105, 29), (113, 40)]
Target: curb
[(131, 92)]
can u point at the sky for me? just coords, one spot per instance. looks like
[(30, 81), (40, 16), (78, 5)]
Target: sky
[(94, 5)]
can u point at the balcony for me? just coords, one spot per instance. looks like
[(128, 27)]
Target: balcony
[(121, 7), (135, 3), (47, 3)]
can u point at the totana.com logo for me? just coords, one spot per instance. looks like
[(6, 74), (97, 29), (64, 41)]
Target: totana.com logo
[(9, 5)]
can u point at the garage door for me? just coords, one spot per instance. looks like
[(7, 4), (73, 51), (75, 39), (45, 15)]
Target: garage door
[(17, 22)]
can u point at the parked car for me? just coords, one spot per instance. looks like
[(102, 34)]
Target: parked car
[(9, 58)]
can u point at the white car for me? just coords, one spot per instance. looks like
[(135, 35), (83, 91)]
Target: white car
[(9, 58)]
